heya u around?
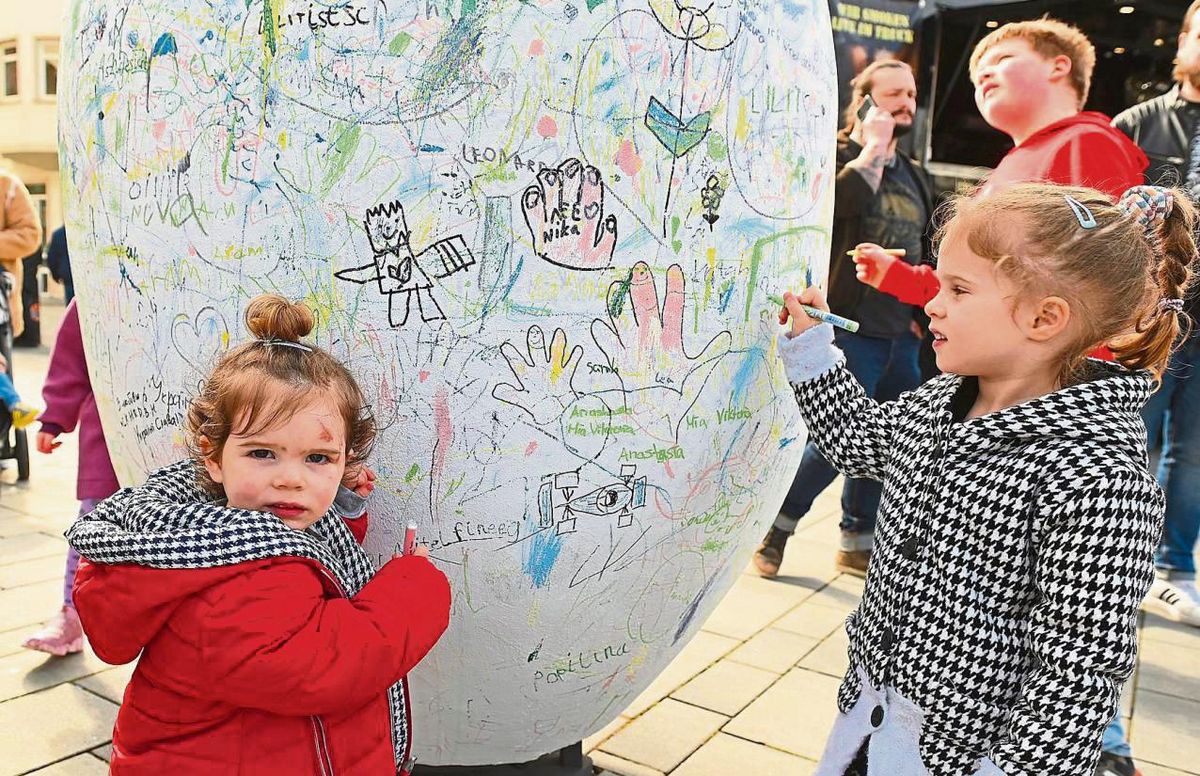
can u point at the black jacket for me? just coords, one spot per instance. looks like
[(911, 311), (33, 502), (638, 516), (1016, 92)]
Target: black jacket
[(851, 193), (1155, 126)]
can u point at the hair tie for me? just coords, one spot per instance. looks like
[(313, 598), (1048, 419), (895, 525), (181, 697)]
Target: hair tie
[(1175, 305), (286, 344), (1148, 205)]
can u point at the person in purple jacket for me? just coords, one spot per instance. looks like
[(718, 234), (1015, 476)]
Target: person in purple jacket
[(69, 402)]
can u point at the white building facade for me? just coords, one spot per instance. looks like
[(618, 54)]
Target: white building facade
[(29, 45)]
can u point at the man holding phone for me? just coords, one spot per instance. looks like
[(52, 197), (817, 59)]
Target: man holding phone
[(881, 197)]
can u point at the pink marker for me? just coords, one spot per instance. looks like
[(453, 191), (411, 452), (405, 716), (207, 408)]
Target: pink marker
[(410, 538)]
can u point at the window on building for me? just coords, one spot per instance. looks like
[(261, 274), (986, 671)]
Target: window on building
[(47, 68), (8, 60)]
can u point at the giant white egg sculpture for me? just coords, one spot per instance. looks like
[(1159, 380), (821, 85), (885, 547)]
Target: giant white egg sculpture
[(542, 233)]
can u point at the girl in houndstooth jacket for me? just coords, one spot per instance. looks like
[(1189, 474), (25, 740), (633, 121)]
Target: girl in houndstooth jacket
[(266, 640), (1018, 521)]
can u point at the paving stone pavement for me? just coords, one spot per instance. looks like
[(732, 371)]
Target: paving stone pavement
[(752, 693)]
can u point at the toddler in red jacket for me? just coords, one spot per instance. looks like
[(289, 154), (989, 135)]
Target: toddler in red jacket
[(268, 642)]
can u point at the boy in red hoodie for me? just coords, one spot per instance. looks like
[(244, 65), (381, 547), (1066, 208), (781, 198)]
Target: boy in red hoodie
[(1031, 81)]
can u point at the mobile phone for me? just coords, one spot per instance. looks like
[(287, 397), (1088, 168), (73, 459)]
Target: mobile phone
[(865, 108)]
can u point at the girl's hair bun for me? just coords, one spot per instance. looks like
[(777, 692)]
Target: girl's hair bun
[(271, 316)]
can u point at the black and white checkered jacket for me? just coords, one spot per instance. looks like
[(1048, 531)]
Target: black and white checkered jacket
[(171, 523), (1011, 554)]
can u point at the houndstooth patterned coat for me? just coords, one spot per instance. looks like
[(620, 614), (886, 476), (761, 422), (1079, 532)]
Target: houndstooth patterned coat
[(171, 523), (1011, 554)]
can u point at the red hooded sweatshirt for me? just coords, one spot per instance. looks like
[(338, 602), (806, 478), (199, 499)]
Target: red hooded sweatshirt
[(262, 649), (1082, 150)]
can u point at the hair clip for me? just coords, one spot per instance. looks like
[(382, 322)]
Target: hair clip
[(287, 344), (1082, 214), (1171, 304)]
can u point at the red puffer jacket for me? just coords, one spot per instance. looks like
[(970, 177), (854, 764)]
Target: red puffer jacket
[(262, 666)]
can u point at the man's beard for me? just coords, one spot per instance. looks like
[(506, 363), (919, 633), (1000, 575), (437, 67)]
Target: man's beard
[(900, 130)]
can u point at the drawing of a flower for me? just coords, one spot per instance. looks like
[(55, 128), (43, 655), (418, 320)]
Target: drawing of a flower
[(690, 23)]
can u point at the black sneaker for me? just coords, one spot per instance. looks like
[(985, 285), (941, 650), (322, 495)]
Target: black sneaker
[(769, 554), (1114, 765)]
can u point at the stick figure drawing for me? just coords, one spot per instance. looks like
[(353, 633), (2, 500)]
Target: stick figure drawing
[(398, 270)]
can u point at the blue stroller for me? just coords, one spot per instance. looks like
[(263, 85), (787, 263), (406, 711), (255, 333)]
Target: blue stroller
[(14, 442)]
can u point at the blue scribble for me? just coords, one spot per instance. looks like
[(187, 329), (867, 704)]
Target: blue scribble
[(745, 374), (431, 149), (164, 45), (608, 83), (541, 554), (785, 441), (690, 613), (726, 295)]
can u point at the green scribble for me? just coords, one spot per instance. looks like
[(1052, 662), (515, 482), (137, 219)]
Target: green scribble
[(344, 147), (269, 27), (454, 485), (468, 7), (413, 472), (756, 256), (676, 244), (616, 303), (594, 4), (399, 43), (713, 545), (445, 68), (228, 153), (717, 149), (527, 309)]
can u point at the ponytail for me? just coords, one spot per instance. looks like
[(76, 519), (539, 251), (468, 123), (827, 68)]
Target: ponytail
[(1161, 320)]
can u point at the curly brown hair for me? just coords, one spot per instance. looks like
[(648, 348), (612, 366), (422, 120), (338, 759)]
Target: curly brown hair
[(263, 382)]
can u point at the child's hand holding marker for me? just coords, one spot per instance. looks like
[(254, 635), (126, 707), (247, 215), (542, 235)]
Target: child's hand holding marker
[(807, 310), (410, 546), (872, 262)]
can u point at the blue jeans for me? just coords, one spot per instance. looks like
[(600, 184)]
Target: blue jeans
[(886, 368), (1173, 428)]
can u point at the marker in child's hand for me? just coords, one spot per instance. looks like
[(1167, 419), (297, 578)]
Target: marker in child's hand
[(897, 252), (820, 315), (410, 539)]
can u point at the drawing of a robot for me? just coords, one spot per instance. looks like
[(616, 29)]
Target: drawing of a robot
[(556, 497), (398, 270)]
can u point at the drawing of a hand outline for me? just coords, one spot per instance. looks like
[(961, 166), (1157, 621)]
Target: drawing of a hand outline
[(564, 211), (544, 377), (643, 344)]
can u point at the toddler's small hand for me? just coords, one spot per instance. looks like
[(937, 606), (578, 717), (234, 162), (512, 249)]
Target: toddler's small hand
[(364, 483), (46, 442)]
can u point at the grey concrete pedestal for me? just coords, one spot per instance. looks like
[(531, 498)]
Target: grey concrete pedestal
[(568, 761)]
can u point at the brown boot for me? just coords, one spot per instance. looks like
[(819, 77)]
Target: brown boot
[(853, 562), (769, 555)]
